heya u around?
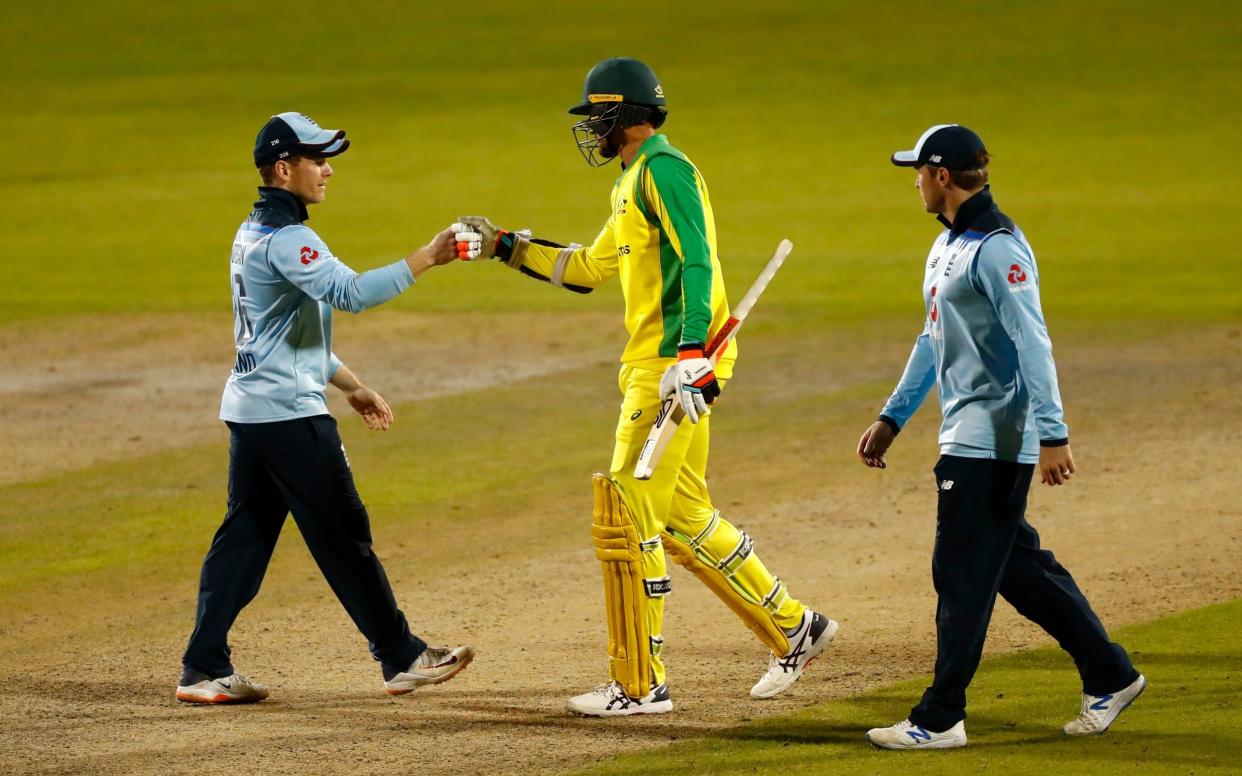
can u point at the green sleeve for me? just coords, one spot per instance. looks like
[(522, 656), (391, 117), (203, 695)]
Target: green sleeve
[(678, 207)]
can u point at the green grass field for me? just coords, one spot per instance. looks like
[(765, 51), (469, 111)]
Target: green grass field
[(1186, 721), (1111, 124), (131, 128)]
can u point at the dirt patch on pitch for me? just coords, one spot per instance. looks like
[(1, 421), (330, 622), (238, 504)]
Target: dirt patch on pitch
[(1150, 526), (81, 391)]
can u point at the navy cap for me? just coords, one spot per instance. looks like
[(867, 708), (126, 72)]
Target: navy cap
[(945, 145), (290, 133)]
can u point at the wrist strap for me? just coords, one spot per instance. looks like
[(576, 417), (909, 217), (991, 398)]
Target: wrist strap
[(689, 350), (511, 248)]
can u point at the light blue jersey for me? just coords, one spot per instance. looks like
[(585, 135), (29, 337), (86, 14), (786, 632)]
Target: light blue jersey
[(984, 344), (285, 284)]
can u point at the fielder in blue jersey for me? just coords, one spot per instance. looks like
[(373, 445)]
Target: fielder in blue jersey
[(286, 455), (986, 348)]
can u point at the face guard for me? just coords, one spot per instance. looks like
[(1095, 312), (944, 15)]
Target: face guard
[(591, 133)]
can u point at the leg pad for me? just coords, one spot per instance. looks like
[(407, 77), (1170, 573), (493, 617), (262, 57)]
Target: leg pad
[(620, 551)]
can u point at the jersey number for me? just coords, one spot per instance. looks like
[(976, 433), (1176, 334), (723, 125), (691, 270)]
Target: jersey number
[(245, 329)]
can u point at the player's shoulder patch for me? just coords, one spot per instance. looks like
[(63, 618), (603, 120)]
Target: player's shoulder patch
[(1003, 254), (296, 245)]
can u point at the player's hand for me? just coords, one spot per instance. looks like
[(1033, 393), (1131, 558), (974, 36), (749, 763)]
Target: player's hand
[(1056, 465), (874, 443), (476, 238), (371, 406), (443, 247), (692, 379), (441, 250)]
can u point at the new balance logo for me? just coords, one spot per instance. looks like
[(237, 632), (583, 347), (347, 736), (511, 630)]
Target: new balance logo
[(1102, 703), (918, 733), (946, 485)]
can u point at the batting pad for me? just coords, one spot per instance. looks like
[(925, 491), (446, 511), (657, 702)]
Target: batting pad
[(723, 558), (620, 551)]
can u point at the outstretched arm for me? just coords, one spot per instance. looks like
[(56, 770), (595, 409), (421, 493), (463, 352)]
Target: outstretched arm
[(302, 258), (579, 269)]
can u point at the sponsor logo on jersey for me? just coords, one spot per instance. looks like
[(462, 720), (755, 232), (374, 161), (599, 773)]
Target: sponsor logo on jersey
[(934, 313), (637, 414), (308, 254), (946, 485), (1016, 274)]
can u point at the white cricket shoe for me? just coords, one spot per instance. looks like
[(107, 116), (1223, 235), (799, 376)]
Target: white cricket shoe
[(1099, 711), (610, 700), (199, 688), (815, 633), (907, 735), (434, 666)]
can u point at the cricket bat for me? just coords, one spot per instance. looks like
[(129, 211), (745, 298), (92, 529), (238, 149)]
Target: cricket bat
[(671, 413)]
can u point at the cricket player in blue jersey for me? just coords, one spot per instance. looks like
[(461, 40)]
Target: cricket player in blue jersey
[(986, 348), (286, 456)]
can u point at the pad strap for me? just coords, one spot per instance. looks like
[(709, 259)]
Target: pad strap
[(719, 574)]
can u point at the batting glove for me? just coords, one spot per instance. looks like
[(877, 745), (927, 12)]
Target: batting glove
[(692, 379), (470, 242)]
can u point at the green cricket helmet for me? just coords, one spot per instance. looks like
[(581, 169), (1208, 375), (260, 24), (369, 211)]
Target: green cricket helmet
[(618, 92)]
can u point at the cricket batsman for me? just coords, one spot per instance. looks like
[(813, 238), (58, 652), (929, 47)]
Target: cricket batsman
[(660, 239)]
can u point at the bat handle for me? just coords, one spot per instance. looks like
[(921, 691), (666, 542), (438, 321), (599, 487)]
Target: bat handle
[(658, 438)]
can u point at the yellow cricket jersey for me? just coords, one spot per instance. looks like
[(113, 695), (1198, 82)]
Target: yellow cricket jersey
[(661, 239)]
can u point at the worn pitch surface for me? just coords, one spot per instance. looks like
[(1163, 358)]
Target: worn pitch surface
[(1148, 527)]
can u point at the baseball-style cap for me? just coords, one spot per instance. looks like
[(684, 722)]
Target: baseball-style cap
[(945, 145), (290, 133)]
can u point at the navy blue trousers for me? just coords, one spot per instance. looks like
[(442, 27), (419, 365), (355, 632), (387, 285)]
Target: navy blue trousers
[(984, 545), (296, 466)]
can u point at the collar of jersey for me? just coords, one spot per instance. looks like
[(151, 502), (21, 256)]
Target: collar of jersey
[(648, 145), (281, 203), (969, 212)]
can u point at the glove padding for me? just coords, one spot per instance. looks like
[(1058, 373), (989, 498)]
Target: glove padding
[(692, 380), (476, 238), (488, 234), (469, 242)]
